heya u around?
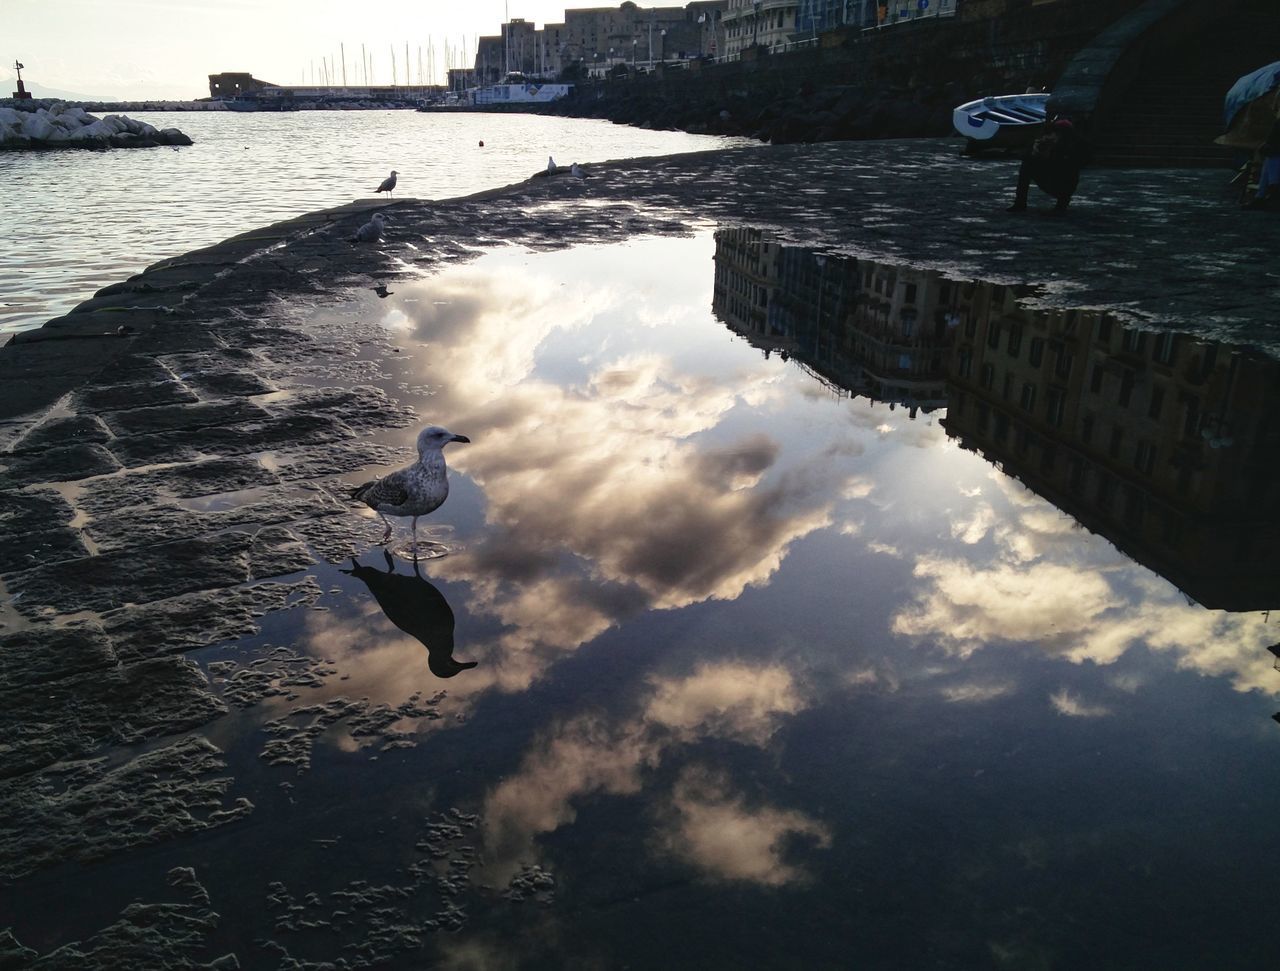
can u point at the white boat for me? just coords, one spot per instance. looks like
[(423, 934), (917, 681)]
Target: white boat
[(1003, 122), (517, 89)]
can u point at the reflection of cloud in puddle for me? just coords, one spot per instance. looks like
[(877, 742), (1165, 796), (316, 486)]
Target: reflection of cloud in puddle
[(886, 548), (725, 700), (974, 527), (1040, 585), (1068, 704), (977, 692), (589, 754), (602, 484), (712, 828)]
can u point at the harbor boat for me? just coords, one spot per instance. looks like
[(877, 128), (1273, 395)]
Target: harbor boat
[(518, 89), (1003, 123)]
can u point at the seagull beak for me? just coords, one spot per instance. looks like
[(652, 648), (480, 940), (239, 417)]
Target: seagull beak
[(461, 438)]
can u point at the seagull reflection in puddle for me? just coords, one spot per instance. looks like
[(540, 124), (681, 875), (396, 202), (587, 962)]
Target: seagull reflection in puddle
[(417, 608)]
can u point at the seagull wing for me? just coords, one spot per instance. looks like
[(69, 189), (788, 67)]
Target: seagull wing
[(389, 491)]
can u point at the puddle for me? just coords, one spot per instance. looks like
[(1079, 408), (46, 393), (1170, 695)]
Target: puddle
[(819, 610)]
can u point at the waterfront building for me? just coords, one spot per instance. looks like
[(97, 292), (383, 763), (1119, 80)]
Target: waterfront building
[(1157, 441), (859, 326), (243, 86), (490, 62), (767, 23), (520, 47)]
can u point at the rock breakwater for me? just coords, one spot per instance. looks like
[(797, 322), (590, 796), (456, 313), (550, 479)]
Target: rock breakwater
[(62, 126)]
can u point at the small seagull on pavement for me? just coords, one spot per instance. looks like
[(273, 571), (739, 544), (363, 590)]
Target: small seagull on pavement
[(416, 489), (388, 184), (551, 165), (576, 171)]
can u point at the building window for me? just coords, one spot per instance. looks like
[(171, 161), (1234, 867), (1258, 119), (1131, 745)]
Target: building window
[(993, 336), (1157, 401), (1055, 406), (1117, 436), (1132, 341), (1086, 429), (1062, 364), (1126, 388), (1162, 350), (965, 364), (1028, 399), (988, 376), (970, 325), (1095, 379), (1015, 340), (909, 294), (1036, 352), (1191, 421), (1144, 457), (1007, 392), (1104, 329)]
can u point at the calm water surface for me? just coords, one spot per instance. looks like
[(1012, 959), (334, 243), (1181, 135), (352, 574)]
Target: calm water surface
[(784, 656), (74, 222)]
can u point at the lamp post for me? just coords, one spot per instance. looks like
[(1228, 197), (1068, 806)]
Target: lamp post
[(662, 46), (635, 41), (755, 23)]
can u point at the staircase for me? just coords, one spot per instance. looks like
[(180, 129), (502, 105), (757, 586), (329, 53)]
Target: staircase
[(1172, 113)]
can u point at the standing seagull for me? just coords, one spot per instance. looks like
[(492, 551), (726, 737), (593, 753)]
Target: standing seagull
[(416, 489), (371, 231), (388, 184), (551, 165), (576, 171)]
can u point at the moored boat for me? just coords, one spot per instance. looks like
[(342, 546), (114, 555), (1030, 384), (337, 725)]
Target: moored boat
[(1001, 123)]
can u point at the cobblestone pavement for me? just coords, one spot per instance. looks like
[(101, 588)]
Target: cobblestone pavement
[(170, 386)]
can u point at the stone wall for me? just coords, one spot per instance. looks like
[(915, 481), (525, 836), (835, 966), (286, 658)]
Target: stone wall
[(900, 81)]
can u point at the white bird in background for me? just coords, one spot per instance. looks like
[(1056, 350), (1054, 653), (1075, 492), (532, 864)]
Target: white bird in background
[(388, 184), (371, 231), (576, 171), (416, 489), (551, 165)]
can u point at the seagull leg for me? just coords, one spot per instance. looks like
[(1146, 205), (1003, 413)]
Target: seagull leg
[(387, 535)]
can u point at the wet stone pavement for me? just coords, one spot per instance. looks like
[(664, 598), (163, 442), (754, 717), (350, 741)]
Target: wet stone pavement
[(176, 455)]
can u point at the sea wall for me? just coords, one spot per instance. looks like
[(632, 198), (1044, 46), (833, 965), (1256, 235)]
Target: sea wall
[(897, 82)]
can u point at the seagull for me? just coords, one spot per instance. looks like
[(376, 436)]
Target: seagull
[(551, 165), (371, 231), (388, 184), (576, 171), (416, 489)]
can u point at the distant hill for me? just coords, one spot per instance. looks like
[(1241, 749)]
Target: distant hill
[(10, 85)]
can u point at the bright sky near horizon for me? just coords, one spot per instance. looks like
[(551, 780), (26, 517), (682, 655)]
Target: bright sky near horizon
[(167, 48)]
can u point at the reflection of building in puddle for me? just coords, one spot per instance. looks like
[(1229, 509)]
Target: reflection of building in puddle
[(1158, 441), (1162, 443), (418, 608), (859, 326)]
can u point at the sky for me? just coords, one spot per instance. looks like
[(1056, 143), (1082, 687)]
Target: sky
[(167, 48)]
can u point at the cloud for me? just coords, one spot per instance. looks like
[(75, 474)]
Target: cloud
[(977, 692), (728, 700), (1068, 704), (712, 828), (590, 754)]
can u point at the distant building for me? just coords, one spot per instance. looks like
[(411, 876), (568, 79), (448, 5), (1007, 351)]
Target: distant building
[(597, 39), (764, 23), (239, 85), (235, 84)]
